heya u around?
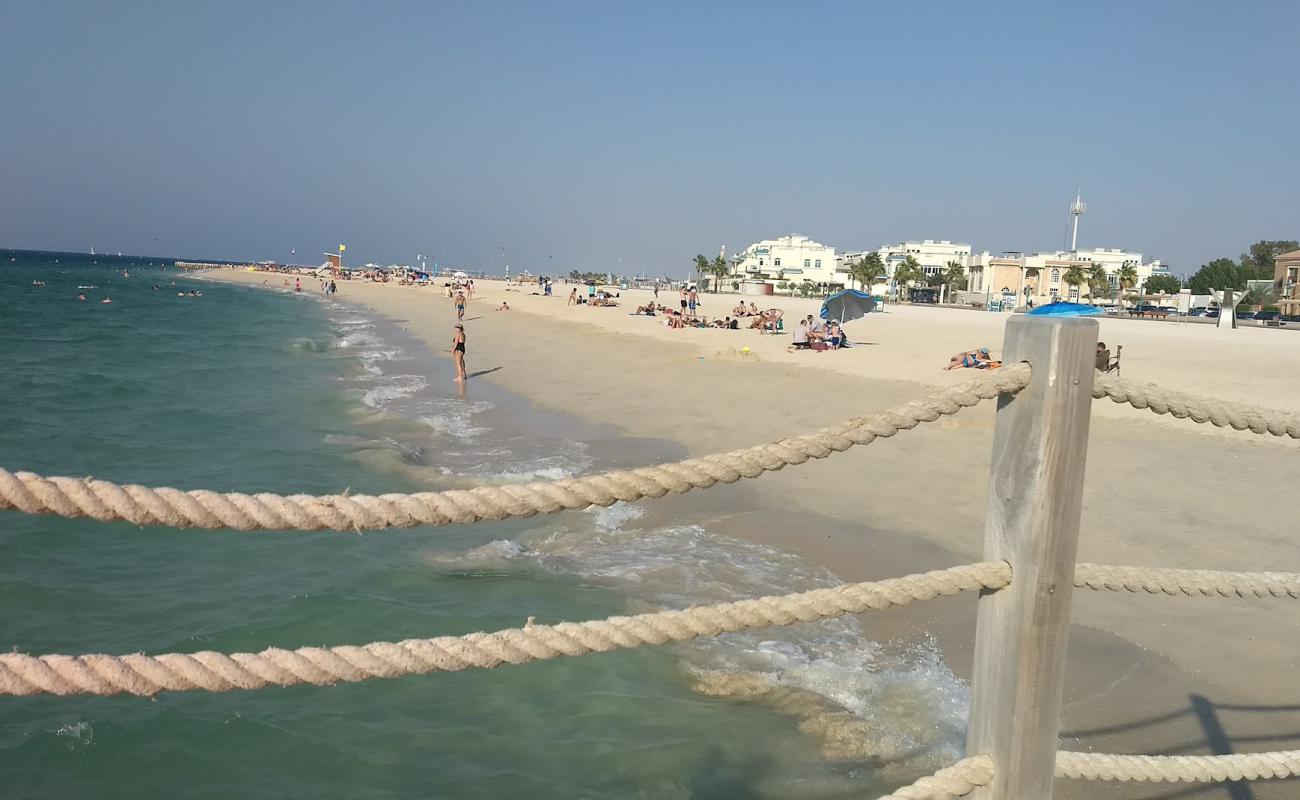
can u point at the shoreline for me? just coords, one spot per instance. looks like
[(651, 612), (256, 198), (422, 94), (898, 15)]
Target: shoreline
[(648, 387)]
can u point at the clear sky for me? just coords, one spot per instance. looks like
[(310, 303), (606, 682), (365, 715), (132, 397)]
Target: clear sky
[(560, 135)]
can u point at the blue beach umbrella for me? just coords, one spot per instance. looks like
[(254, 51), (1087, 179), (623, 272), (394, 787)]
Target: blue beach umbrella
[(1063, 309), (847, 305)]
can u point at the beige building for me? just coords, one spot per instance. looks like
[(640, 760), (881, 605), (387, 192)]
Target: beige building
[(1017, 278), (1286, 278)]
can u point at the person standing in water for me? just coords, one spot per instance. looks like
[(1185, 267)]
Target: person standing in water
[(297, 284), (457, 352)]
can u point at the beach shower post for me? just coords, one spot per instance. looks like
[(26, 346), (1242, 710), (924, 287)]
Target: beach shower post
[(1040, 444)]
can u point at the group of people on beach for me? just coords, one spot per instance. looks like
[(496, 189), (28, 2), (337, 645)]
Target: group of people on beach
[(678, 319), (598, 298), (813, 334)]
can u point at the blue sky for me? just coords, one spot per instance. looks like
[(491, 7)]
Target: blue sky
[(565, 135)]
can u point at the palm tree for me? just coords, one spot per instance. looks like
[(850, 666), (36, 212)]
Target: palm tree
[(953, 275), (867, 271), (1128, 276), (1075, 277), (702, 266), (720, 270), (908, 271), (1098, 282)]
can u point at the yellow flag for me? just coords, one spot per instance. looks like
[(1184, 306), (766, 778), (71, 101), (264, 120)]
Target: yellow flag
[(342, 247)]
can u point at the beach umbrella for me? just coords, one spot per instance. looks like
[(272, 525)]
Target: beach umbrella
[(1063, 309), (460, 275), (847, 305)]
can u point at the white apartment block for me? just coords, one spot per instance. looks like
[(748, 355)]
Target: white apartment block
[(933, 255), (792, 258)]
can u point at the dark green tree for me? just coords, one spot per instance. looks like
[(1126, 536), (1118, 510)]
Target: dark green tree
[(1163, 284), (1221, 273), (1258, 262)]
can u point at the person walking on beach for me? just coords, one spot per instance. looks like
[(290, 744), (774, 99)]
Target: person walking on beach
[(573, 297), (459, 300), (458, 352)]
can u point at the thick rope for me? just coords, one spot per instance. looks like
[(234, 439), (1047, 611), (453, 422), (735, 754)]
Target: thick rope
[(959, 779), (1220, 413), (1190, 582), (140, 674), (102, 500), (1198, 769)]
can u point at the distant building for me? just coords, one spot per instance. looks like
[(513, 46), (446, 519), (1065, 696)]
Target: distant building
[(933, 255), (792, 258), (1286, 281), (1017, 277), (1041, 277)]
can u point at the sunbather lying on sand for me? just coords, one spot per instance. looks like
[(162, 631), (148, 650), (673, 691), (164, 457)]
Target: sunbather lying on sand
[(978, 358)]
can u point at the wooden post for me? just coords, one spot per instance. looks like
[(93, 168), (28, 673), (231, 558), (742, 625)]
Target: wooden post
[(1040, 443)]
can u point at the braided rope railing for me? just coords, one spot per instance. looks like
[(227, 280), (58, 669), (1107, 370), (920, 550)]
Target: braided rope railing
[(102, 500), (1188, 769), (970, 773), (145, 675), (961, 778), (1220, 413), (1189, 582)]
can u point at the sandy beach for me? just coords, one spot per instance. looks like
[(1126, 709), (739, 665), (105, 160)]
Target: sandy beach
[(1158, 492)]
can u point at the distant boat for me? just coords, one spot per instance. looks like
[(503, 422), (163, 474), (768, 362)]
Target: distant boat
[(119, 253)]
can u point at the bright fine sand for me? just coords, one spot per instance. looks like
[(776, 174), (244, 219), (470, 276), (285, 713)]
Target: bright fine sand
[(1147, 673)]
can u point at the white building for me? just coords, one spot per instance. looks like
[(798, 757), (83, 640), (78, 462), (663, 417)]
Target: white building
[(792, 258), (933, 255), (1114, 259)]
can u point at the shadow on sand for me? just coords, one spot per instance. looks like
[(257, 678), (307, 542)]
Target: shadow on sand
[(1213, 720)]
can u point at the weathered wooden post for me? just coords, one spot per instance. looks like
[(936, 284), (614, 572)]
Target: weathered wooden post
[(1040, 443)]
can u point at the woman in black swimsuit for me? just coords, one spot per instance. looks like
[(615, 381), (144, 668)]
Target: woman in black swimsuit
[(458, 352)]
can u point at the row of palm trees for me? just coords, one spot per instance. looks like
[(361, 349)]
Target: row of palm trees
[(718, 268), (870, 270), (1098, 280)]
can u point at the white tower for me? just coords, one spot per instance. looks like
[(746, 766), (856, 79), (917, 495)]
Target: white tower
[(1076, 210)]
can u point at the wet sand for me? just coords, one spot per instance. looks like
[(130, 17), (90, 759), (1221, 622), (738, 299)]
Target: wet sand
[(1147, 674)]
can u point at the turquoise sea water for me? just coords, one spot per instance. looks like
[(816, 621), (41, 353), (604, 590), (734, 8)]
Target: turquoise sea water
[(248, 389)]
